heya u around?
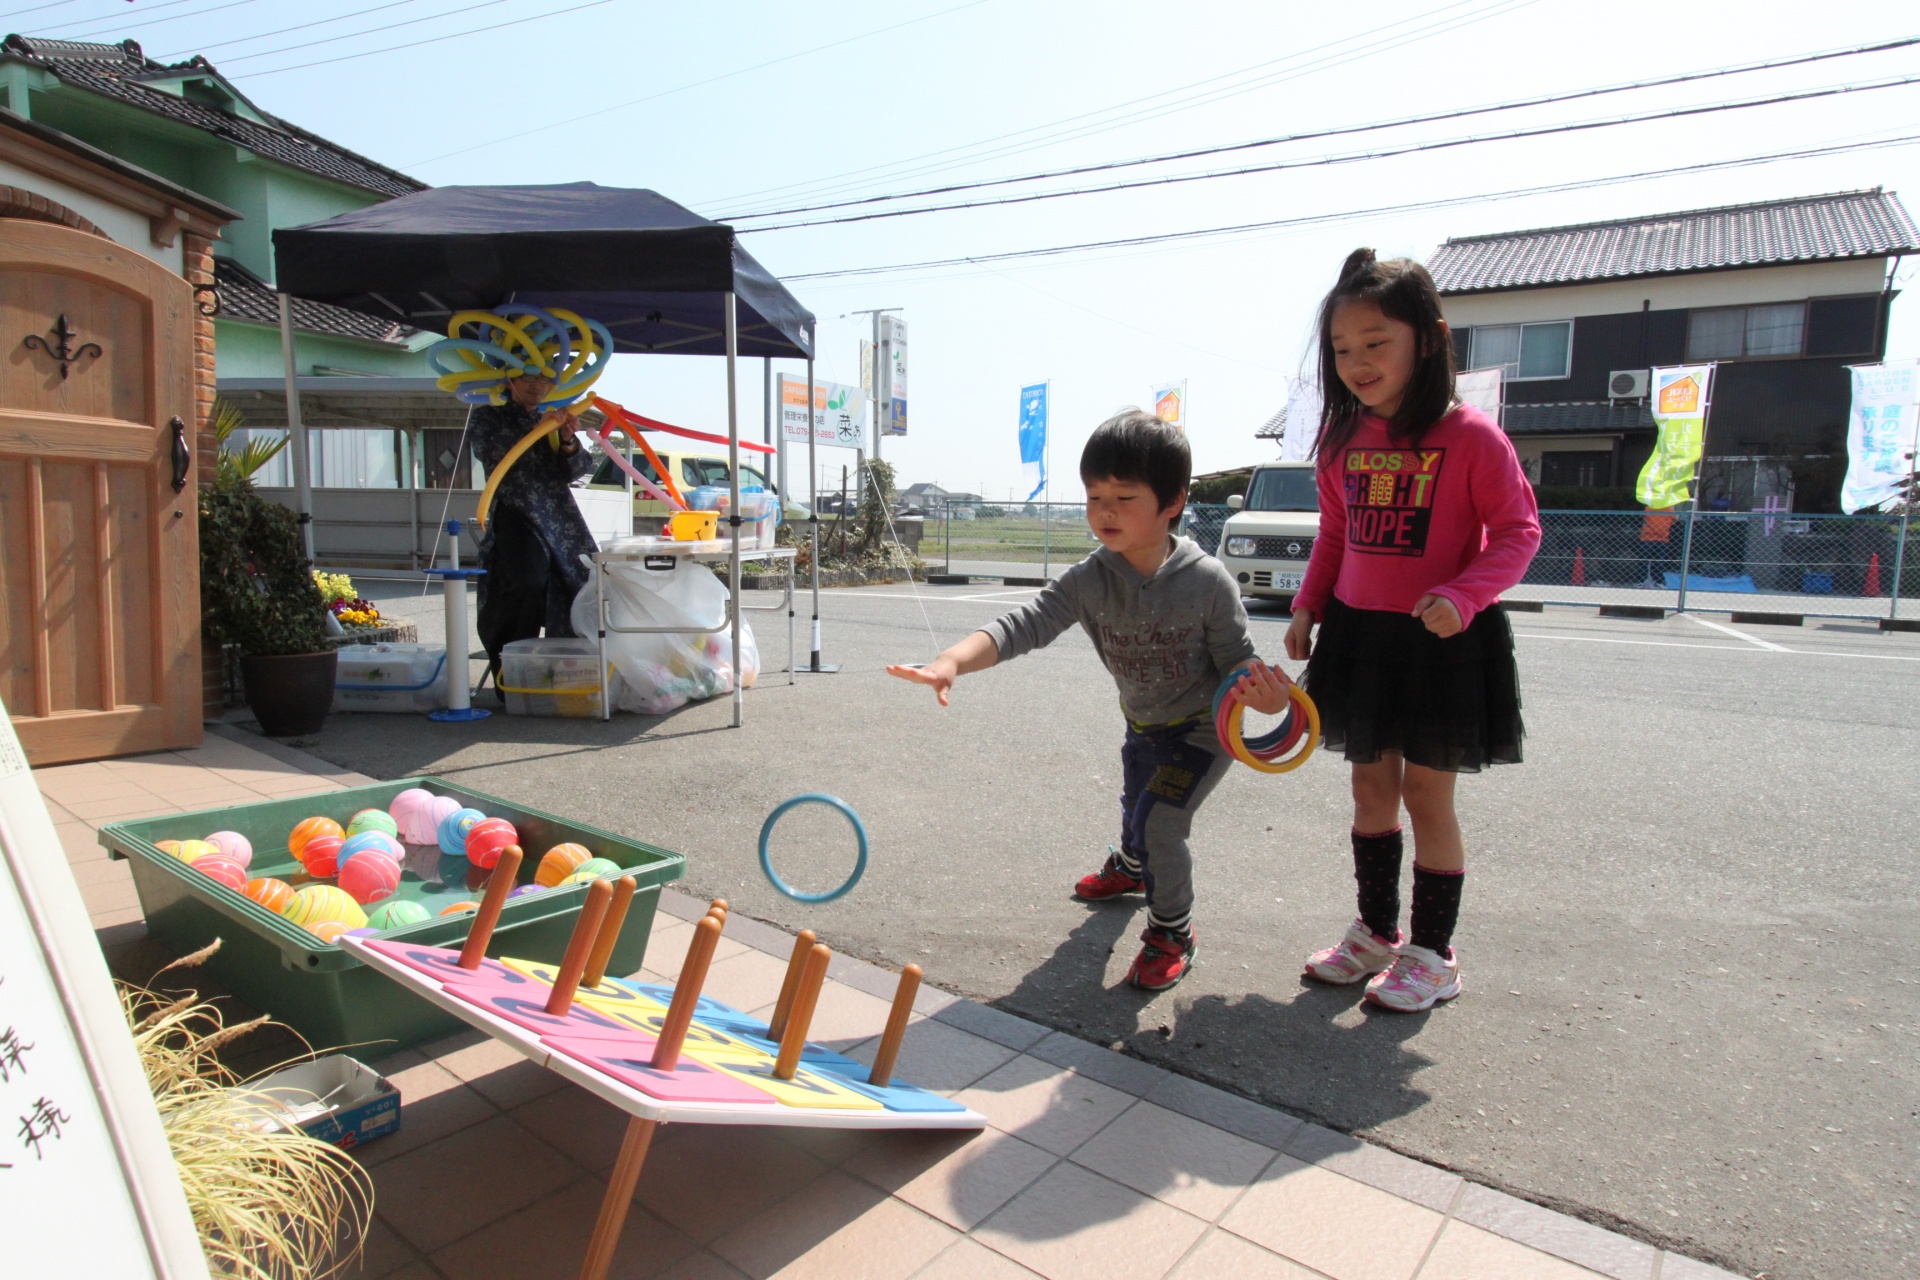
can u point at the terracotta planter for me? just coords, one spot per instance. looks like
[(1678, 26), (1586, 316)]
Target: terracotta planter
[(290, 694)]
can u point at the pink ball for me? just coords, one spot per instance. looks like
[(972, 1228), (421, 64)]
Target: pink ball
[(226, 870), (234, 845), (423, 824), (370, 876), (485, 840), (406, 803)]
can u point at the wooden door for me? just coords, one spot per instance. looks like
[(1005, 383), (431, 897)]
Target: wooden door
[(99, 549)]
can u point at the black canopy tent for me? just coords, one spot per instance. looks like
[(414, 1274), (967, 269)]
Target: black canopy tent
[(661, 278)]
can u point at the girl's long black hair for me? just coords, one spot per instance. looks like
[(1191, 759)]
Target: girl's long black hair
[(1403, 291)]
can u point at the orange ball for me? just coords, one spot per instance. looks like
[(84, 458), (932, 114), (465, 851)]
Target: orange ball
[(459, 907), (270, 893), (307, 830), (560, 862)]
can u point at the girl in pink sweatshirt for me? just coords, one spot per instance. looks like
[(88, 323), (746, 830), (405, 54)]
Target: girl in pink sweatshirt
[(1425, 518)]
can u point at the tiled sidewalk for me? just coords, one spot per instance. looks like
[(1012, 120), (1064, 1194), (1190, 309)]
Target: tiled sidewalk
[(1095, 1165)]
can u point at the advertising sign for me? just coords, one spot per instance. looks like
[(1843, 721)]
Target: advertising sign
[(893, 376), (1481, 389), (1033, 438), (839, 412), (1681, 395), (1880, 433), (1170, 403)]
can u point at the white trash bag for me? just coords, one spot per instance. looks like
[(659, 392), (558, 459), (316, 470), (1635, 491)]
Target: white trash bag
[(666, 671)]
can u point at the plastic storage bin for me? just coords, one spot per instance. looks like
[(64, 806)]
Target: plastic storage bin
[(756, 508), (553, 678), (321, 991), (391, 677)]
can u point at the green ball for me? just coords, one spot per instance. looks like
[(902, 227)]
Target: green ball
[(396, 913), (594, 868), (373, 820)]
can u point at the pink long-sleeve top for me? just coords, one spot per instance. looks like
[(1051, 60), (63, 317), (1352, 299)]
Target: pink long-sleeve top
[(1455, 517)]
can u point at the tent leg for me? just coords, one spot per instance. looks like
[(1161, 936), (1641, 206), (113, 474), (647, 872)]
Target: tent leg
[(813, 524), (296, 429), (733, 509)]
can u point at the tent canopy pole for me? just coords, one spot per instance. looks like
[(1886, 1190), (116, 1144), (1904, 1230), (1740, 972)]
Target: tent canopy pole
[(733, 509)]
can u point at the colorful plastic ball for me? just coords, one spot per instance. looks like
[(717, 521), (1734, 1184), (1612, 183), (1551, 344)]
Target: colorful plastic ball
[(486, 840), (360, 933), (169, 847), (328, 930), (423, 824), (317, 903), (224, 870), (406, 806), (234, 845), (373, 820), (307, 830), (270, 893), (377, 842), (459, 908), (454, 828), (522, 891), (597, 867), (370, 877), (321, 855), (560, 862), (579, 877), (397, 913), (191, 851)]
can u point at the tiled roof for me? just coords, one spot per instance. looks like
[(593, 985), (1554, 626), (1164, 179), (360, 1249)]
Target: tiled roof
[(1846, 224), (1573, 417), (117, 71), (243, 296)]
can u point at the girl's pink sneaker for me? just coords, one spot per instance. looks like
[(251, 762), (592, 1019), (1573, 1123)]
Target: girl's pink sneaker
[(1418, 980), (1358, 956)]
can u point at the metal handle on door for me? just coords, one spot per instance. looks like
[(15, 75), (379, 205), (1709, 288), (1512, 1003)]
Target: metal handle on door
[(182, 456)]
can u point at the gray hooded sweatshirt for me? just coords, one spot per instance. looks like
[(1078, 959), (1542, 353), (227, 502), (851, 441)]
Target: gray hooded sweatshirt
[(1168, 641)]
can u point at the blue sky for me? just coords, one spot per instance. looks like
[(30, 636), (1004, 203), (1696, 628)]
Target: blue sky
[(684, 102)]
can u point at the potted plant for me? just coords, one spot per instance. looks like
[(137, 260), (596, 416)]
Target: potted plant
[(257, 593)]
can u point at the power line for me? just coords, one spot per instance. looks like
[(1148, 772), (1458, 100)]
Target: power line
[(1460, 113), (228, 44), (414, 44), (831, 184), (1312, 219), (368, 31), (116, 24), (695, 84), (1355, 157)]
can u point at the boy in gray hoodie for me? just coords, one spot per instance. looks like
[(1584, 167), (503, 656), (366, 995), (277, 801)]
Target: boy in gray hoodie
[(1166, 619)]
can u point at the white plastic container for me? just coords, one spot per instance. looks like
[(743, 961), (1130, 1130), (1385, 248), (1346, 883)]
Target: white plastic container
[(552, 678), (409, 678)]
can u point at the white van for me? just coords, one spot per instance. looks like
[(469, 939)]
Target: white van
[(1267, 540)]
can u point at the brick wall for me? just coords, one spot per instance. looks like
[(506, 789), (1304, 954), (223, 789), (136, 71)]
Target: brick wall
[(18, 203)]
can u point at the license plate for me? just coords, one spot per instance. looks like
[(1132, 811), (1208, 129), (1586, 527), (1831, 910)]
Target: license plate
[(1287, 581)]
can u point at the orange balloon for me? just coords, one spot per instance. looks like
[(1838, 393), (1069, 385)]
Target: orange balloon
[(560, 862), (307, 830), (459, 907), (270, 893)]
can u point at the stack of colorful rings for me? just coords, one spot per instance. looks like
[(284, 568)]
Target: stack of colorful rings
[(1268, 752)]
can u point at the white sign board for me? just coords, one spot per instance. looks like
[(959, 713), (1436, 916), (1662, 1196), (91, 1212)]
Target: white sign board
[(893, 376), (839, 413), (87, 1184)]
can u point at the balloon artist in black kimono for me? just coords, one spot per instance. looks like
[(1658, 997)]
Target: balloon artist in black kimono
[(535, 534)]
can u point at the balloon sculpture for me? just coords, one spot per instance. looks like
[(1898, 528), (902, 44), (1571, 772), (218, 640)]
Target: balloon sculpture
[(515, 341)]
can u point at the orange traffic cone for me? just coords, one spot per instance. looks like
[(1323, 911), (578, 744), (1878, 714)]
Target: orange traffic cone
[(1872, 585), (1579, 567)]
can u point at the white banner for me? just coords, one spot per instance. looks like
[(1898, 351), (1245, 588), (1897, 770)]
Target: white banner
[(839, 412), (1300, 421), (893, 376), (1881, 432), (1170, 403), (1482, 390)]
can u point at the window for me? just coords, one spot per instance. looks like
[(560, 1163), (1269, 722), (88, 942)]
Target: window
[(1735, 333), (1284, 489), (1523, 351), (1583, 469)]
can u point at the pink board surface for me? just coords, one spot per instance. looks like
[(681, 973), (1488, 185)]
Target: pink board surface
[(529, 1012), (443, 965), (690, 1081)]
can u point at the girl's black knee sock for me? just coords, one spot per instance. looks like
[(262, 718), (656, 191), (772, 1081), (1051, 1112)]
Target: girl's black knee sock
[(1436, 909), (1376, 867)]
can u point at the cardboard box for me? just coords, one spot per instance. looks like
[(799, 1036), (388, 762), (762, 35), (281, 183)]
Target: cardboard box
[(336, 1099)]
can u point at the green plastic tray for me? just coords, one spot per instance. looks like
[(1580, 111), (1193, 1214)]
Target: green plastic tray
[(317, 988)]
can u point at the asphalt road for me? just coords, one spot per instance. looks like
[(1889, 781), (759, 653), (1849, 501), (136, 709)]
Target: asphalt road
[(1690, 939)]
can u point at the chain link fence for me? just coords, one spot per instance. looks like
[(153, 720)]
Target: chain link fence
[(1720, 561)]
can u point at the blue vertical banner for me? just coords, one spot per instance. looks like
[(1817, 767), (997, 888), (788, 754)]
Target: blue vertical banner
[(1033, 438)]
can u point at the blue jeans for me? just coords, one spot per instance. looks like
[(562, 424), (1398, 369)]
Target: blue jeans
[(1166, 771)]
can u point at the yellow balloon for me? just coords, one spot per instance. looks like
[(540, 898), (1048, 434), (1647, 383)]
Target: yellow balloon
[(525, 443)]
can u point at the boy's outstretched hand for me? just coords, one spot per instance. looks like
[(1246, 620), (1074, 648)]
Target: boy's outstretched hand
[(1263, 688), (940, 674)]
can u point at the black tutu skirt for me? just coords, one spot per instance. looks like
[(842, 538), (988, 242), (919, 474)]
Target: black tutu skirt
[(1383, 682)]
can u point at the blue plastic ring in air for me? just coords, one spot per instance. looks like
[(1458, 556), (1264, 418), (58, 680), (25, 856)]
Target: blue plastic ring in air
[(859, 831)]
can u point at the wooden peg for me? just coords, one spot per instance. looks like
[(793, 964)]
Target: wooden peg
[(499, 885), (619, 1197), (896, 1027), (609, 934), (686, 994), (795, 1037), (592, 912), (802, 944)]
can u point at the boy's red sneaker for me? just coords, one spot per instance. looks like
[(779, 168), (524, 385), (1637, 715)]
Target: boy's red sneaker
[(1110, 881), (1164, 959)]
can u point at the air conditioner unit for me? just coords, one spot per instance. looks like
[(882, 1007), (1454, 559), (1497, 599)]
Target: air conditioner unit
[(1628, 384)]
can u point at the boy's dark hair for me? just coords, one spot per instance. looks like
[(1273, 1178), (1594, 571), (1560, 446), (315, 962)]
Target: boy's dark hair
[(1403, 291), (1134, 445)]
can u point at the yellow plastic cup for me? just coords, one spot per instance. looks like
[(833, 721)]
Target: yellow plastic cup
[(693, 526)]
